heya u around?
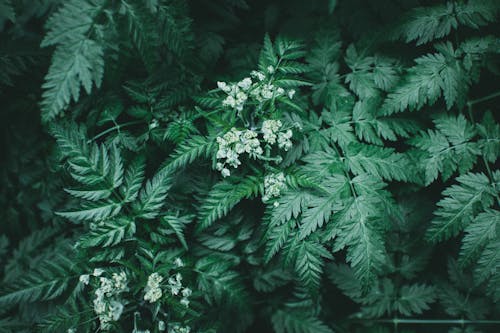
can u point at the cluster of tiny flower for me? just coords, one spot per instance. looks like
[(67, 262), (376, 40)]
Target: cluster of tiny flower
[(273, 185), (238, 93), (107, 304), (176, 289), (153, 290), (179, 329), (234, 143), (271, 132)]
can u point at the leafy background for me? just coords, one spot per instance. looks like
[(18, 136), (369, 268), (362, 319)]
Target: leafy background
[(390, 217)]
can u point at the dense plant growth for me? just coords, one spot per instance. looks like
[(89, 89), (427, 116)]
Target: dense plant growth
[(250, 166)]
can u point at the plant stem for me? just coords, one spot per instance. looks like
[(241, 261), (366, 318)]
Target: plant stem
[(482, 99), (116, 127), (397, 321)]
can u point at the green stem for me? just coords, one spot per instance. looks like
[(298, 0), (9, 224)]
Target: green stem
[(482, 99), (397, 321), (116, 127)]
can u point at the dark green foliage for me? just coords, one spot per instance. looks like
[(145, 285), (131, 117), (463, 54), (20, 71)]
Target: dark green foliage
[(249, 166)]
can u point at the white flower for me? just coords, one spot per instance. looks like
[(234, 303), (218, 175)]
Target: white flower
[(270, 69), (273, 185), (280, 91), (154, 280), (291, 93), (98, 272), (269, 129), (120, 281), (186, 292), (154, 124), (245, 84), (267, 91), (221, 85), (185, 302), (241, 97), (152, 295), (258, 75), (161, 325), (284, 141), (116, 310), (229, 101), (178, 261), (85, 279), (71, 330), (225, 172)]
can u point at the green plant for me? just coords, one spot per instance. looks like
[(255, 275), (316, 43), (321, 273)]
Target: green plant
[(234, 166)]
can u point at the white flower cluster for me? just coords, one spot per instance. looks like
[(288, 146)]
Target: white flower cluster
[(175, 285), (237, 95), (153, 290), (271, 132), (273, 185), (234, 143), (240, 92), (107, 304), (179, 329)]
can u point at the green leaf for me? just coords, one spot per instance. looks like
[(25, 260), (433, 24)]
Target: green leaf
[(48, 281), (153, 195), (378, 161), (290, 321), (224, 196), (414, 299), (309, 262), (95, 212), (188, 151), (447, 149), (459, 206), (481, 231), (111, 232)]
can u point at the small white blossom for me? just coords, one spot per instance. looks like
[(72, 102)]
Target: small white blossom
[(291, 93), (178, 262), (221, 85), (152, 295), (284, 141), (270, 69), (116, 310), (175, 284), (258, 75), (273, 185), (161, 325), (270, 129), (225, 172), (98, 272), (153, 290), (178, 329), (107, 304), (85, 279), (245, 84), (154, 124), (186, 292), (185, 302), (71, 330)]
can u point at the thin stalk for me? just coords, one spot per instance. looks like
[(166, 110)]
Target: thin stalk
[(116, 127), (397, 321), (483, 99)]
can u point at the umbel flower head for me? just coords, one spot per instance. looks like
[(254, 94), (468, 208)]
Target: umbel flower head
[(153, 290), (273, 185)]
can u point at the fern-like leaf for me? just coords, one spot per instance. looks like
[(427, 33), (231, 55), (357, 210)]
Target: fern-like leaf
[(223, 197)]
